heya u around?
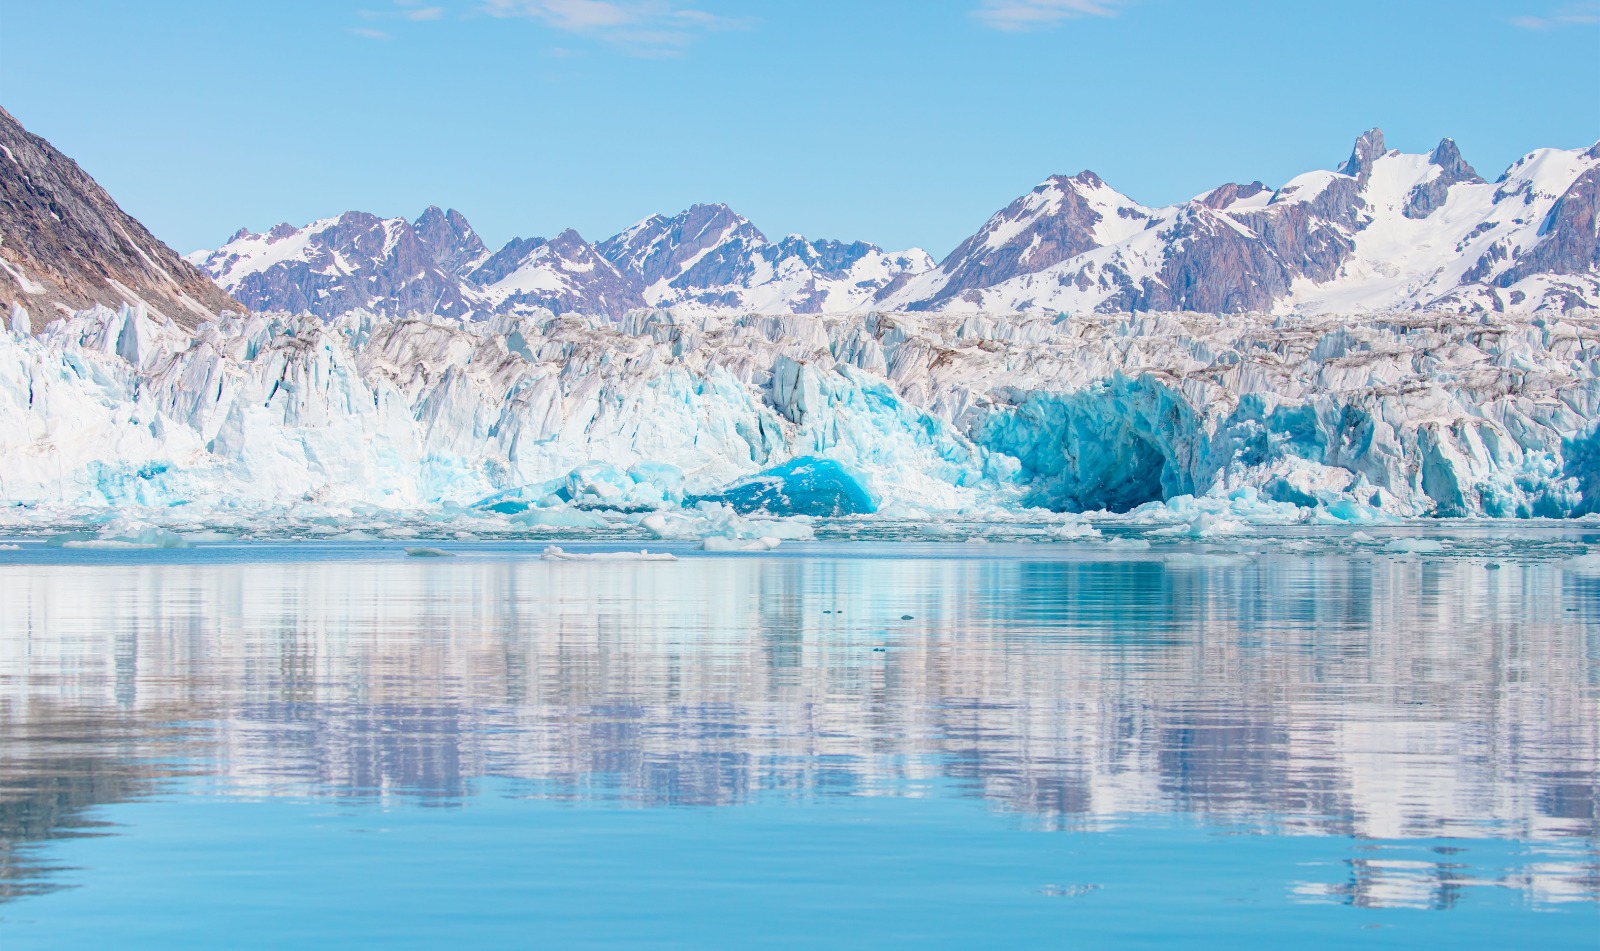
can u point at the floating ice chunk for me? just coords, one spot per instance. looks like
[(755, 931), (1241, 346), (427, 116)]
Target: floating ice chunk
[(10, 547), (1204, 525), (1361, 538), (715, 519), (209, 535), (1415, 546), (553, 553), (427, 553), (718, 543), (121, 534), (1585, 564), (1128, 544), (1075, 530), (805, 486)]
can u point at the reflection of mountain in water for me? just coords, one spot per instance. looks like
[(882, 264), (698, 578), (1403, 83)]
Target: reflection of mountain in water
[(1377, 698), (55, 766)]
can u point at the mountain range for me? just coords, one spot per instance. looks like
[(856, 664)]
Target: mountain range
[(1384, 231)]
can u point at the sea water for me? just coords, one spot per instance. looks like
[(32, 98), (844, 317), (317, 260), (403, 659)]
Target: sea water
[(1302, 741)]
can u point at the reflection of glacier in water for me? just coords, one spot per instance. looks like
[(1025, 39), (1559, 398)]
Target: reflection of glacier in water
[(1374, 698)]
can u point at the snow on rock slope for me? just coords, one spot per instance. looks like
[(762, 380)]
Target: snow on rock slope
[(908, 414), (709, 260), (66, 245), (1387, 231)]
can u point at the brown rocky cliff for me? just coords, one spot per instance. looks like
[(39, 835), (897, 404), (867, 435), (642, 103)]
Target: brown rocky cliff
[(65, 244)]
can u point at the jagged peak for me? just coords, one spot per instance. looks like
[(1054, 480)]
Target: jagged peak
[(1448, 157), (1225, 195), (1369, 146)]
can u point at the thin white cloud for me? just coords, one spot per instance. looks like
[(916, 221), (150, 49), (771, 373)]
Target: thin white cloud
[(1016, 16), (370, 34), (638, 27), (1577, 14), (424, 13)]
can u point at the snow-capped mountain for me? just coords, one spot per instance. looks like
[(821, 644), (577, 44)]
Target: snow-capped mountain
[(1385, 231), (562, 275), (65, 245), (356, 261), (709, 259)]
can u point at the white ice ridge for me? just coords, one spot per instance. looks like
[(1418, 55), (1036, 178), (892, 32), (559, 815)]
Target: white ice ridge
[(548, 420)]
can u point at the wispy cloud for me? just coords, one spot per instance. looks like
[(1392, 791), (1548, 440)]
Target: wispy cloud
[(1019, 15), (412, 10), (1577, 14), (637, 27), (370, 33)]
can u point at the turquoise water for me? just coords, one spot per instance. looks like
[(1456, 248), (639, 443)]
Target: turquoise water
[(1280, 741)]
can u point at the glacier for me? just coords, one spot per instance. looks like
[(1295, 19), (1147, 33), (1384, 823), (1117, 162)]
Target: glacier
[(752, 426)]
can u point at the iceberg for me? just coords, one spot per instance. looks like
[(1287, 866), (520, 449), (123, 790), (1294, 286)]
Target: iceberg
[(805, 486)]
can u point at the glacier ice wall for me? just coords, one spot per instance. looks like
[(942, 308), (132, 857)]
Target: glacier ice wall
[(1408, 415)]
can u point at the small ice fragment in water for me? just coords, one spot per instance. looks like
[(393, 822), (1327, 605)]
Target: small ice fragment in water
[(1415, 546), (1068, 891), (427, 553), (555, 553), (1585, 564), (907, 617)]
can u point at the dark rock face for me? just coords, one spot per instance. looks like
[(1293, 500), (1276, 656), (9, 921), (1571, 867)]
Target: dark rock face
[(1428, 197), (1222, 197), (1569, 236), (450, 240), (67, 246), (1367, 150), (1050, 224), (587, 282), (360, 262), (662, 248)]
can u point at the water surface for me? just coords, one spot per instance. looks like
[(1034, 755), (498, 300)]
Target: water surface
[(837, 744)]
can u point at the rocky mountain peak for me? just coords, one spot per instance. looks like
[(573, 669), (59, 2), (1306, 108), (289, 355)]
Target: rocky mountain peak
[(1222, 197), (1430, 195), (450, 240), (1368, 149)]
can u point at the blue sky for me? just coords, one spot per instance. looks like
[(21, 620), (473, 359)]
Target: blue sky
[(902, 122)]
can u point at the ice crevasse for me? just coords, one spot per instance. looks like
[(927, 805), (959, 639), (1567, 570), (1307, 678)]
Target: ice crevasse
[(549, 420)]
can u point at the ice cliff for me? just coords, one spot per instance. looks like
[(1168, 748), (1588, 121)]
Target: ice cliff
[(899, 414)]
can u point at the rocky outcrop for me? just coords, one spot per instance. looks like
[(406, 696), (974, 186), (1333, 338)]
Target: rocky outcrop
[(65, 245), (1368, 149), (1429, 196), (1569, 236), (562, 275), (1062, 217), (356, 261)]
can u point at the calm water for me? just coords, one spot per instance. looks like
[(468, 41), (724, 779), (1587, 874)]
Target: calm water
[(292, 745)]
